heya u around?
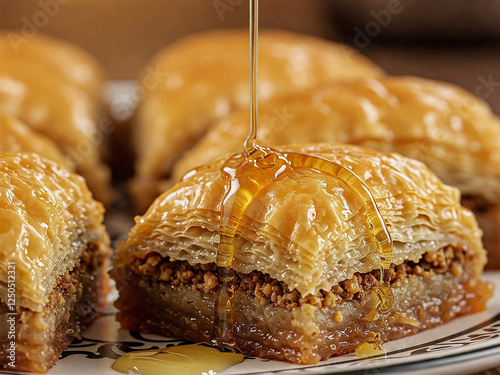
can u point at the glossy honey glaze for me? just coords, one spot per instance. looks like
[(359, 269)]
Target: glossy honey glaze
[(248, 173)]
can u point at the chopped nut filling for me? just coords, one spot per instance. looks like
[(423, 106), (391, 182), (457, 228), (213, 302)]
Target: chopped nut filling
[(204, 278), (72, 281)]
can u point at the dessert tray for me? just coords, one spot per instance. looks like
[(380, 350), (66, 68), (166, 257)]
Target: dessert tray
[(464, 346)]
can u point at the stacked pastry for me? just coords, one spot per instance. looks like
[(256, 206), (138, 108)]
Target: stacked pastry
[(56, 89), (306, 259), (204, 77), (53, 260), (54, 253)]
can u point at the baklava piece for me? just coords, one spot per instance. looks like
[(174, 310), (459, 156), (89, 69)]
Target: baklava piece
[(16, 136), (54, 256), (306, 262), (204, 77), (57, 90), (454, 133)]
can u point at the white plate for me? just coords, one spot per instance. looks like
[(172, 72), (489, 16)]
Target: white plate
[(464, 346)]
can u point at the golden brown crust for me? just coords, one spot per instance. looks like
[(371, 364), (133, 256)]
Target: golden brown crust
[(309, 230), (48, 218), (56, 89), (204, 77), (454, 133), (306, 264)]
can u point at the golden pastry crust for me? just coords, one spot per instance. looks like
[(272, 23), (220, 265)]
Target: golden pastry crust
[(204, 77), (48, 219), (15, 136), (57, 91), (309, 230), (454, 133)]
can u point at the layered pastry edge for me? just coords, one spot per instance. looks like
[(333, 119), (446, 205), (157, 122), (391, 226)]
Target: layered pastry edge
[(55, 257)]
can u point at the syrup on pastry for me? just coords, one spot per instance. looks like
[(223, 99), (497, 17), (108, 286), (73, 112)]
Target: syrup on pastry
[(257, 167), (198, 358), (371, 346), (248, 173)]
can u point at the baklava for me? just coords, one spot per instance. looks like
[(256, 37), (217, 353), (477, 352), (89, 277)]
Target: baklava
[(204, 77), (454, 133), (16, 136), (57, 89), (306, 262), (54, 258)]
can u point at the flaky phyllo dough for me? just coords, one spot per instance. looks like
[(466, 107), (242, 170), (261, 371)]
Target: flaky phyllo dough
[(454, 133), (306, 260), (54, 252), (202, 78)]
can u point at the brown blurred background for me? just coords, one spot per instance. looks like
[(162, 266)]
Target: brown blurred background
[(456, 41)]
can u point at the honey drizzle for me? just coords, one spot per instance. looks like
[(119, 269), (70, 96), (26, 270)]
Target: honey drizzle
[(249, 145), (249, 173)]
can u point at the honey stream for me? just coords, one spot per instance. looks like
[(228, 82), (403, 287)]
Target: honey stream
[(248, 173)]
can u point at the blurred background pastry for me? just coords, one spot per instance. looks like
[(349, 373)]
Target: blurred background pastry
[(457, 41), (16, 136), (200, 79), (57, 90)]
